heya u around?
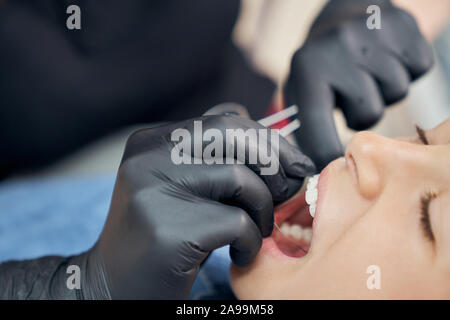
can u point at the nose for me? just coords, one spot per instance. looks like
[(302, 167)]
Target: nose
[(369, 156)]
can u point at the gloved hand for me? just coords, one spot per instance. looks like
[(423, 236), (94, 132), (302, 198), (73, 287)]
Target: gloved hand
[(166, 218), (345, 64)]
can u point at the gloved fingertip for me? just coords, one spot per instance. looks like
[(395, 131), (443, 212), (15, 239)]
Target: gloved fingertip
[(267, 230), (294, 186), (279, 192), (302, 168), (241, 259)]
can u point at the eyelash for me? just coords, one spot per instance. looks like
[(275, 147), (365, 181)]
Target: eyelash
[(425, 215), (427, 198), (422, 135)]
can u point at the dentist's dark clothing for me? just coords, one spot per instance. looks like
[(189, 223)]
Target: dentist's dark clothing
[(132, 62), (144, 61)]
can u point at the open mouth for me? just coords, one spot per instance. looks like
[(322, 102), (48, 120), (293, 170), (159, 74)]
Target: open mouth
[(295, 219)]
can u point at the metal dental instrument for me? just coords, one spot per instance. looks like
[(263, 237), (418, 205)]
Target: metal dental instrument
[(290, 128), (237, 109), (284, 132), (279, 116)]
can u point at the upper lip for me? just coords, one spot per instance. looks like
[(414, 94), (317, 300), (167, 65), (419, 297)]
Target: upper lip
[(321, 185)]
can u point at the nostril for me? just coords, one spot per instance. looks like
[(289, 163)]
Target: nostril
[(362, 162), (351, 165)]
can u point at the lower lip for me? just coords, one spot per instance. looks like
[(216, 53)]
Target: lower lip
[(270, 247)]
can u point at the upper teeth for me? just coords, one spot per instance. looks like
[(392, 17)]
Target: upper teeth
[(311, 194)]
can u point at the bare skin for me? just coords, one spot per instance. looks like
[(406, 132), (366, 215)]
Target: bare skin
[(369, 212)]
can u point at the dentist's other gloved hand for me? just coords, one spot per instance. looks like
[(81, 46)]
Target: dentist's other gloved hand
[(165, 218), (345, 64)]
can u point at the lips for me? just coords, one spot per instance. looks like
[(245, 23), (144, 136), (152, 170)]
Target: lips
[(293, 233)]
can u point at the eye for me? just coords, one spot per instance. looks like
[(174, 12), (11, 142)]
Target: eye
[(422, 135)]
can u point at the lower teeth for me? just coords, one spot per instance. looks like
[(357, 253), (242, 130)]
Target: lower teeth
[(296, 232)]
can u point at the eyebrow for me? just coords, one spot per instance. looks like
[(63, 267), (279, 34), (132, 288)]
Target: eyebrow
[(422, 135)]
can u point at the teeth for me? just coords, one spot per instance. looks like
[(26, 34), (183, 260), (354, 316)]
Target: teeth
[(312, 210), (313, 181), (307, 234), (285, 228), (296, 232), (312, 194)]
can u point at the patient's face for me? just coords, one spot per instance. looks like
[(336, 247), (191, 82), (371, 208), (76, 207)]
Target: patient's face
[(386, 204)]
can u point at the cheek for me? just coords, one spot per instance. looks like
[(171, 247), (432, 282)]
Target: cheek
[(373, 251), (440, 222), (344, 269), (343, 205), (378, 247), (385, 241)]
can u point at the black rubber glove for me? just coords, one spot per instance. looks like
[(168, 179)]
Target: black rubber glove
[(165, 219), (345, 64)]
